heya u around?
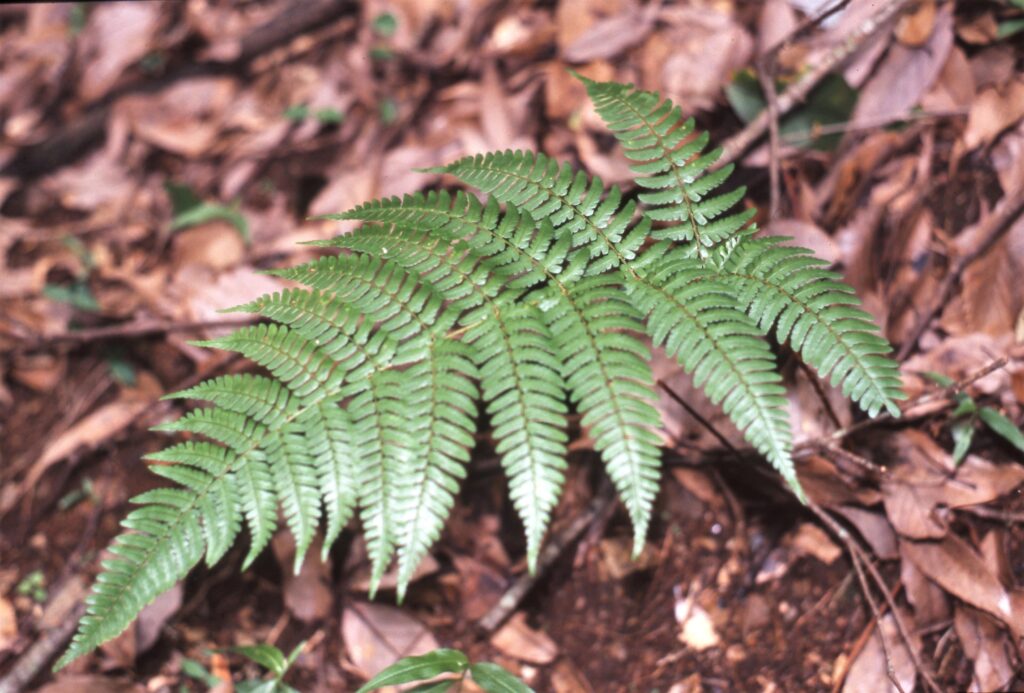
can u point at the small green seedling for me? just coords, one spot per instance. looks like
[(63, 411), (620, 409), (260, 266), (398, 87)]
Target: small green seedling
[(189, 210), (274, 661), (490, 677), (967, 413), (33, 585)]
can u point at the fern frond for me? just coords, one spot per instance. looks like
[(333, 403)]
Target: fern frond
[(369, 401), (696, 320), (811, 308), (668, 161), (648, 287), (603, 363), (442, 438)]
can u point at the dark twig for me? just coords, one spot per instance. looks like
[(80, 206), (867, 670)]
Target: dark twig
[(798, 90), (41, 652), (994, 227), (700, 419), (515, 594), (861, 563), (128, 330)]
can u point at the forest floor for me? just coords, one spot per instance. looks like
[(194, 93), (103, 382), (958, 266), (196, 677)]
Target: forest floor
[(154, 157)]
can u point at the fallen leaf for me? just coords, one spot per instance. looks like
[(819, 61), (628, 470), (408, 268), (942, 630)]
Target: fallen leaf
[(116, 36), (8, 624), (608, 37), (98, 427), (874, 528), (905, 75), (215, 244), (306, 595), (376, 636), (517, 639), (993, 111), (931, 605), (867, 672), (959, 570), (566, 678), (811, 540), (914, 28), (927, 479), (985, 644), (152, 619)]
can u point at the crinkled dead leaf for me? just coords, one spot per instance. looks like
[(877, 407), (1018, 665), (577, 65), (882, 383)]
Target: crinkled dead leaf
[(376, 636), (905, 75), (926, 480), (868, 672), (958, 569), (988, 648), (995, 109), (116, 36), (930, 602), (610, 36), (8, 624), (874, 528), (518, 640)]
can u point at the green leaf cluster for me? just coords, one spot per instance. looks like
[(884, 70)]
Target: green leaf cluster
[(428, 667), (545, 298)]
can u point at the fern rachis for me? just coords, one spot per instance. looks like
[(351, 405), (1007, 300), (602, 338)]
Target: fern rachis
[(373, 373)]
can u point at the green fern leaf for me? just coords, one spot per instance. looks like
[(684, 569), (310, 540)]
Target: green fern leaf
[(786, 287)]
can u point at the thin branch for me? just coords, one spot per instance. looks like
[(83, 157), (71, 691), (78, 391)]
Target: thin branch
[(994, 227), (798, 90), (515, 594), (128, 330)]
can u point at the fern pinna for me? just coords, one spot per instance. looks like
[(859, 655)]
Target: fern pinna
[(544, 298)]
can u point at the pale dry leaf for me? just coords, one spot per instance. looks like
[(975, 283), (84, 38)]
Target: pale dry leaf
[(978, 29), (376, 636), (994, 66), (867, 672), (806, 235), (152, 619), (914, 28), (957, 357), (1008, 160), (566, 678), (8, 624), (116, 35), (185, 118), (874, 528), (994, 110), (931, 605), (697, 631), (811, 540), (306, 595), (610, 36), (215, 244), (954, 89), (904, 75), (959, 570), (775, 23), (696, 54), (98, 427), (927, 480), (986, 645), (518, 640)]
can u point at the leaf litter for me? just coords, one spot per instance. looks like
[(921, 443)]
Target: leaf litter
[(103, 105)]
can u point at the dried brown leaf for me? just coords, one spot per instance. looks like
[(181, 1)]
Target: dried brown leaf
[(609, 36), (986, 645), (994, 110), (959, 570), (874, 528), (931, 605), (117, 35), (376, 636), (904, 75), (868, 672), (517, 639)]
